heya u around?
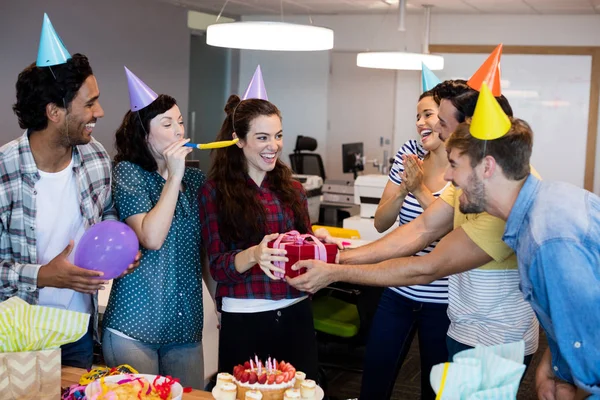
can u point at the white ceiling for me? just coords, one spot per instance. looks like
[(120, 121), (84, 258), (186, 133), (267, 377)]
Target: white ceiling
[(262, 7)]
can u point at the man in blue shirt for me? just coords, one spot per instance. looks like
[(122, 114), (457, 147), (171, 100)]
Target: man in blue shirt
[(554, 228)]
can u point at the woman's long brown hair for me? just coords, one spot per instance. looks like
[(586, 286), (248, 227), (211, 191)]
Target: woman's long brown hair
[(241, 215)]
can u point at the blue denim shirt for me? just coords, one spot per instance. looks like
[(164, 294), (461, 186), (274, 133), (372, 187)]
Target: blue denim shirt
[(554, 228)]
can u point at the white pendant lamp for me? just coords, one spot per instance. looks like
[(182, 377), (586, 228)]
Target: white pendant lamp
[(266, 35), (403, 60)]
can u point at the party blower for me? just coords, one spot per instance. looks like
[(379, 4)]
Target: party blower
[(256, 90), (212, 145), (140, 96)]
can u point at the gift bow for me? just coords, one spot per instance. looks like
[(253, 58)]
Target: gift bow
[(294, 237)]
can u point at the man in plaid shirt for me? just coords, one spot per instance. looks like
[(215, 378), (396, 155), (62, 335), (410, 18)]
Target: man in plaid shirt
[(55, 183)]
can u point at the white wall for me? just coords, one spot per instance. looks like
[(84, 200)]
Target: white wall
[(355, 33), (150, 37)]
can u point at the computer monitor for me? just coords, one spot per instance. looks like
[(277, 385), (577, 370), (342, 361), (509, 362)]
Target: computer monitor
[(352, 158)]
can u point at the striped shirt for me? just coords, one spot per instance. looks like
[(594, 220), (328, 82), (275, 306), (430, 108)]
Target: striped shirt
[(486, 306), (18, 174), (436, 291)]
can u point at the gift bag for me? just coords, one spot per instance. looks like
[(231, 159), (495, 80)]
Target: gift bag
[(30, 337), (482, 373), (30, 375), (302, 247)]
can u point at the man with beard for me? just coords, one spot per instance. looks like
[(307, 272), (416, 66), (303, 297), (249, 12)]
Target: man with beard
[(485, 304), (55, 183), (559, 258)]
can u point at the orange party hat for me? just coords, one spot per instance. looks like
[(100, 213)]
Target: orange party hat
[(489, 72)]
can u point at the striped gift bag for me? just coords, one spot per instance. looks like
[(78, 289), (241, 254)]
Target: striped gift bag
[(24, 327), (482, 373), (30, 337)]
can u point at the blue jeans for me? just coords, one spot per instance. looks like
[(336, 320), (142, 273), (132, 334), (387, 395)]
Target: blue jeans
[(456, 347), (184, 361), (394, 326), (79, 354)]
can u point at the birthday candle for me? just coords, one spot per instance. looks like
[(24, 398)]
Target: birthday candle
[(256, 360), (275, 363), (259, 367), (251, 365)]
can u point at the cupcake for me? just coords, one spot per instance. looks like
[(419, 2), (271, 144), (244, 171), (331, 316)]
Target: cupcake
[(228, 391), (224, 377), (308, 388), (292, 394), (254, 395), (300, 377)]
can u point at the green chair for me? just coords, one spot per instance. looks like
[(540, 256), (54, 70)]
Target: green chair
[(335, 317), (338, 327)]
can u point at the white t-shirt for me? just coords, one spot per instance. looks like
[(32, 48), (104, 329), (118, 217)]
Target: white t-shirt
[(59, 220), (249, 306)]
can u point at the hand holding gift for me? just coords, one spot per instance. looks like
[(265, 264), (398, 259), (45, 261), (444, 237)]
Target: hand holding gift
[(266, 256), (302, 247)]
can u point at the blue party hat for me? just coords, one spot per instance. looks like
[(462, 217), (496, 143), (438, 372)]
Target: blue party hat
[(428, 78), (52, 51)]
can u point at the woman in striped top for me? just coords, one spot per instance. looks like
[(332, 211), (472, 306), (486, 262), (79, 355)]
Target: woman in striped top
[(416, 180)]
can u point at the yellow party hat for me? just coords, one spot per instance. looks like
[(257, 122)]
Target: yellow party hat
[(489, 120)]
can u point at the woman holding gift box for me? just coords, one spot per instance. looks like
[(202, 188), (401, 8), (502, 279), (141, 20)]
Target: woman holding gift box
[(248, 200)]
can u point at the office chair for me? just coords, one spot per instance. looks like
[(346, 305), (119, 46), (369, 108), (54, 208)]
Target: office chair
[(304, 163)]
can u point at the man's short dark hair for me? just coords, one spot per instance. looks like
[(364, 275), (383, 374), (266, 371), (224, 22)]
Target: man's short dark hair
[(39, 86), (450, 88), (511, 151), (464, 98)]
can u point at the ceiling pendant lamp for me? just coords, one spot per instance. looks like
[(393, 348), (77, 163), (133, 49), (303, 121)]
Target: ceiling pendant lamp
[(269, 35), (403, 60), (266, 35)]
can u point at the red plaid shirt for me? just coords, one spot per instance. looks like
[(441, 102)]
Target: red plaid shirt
[(252, 284)]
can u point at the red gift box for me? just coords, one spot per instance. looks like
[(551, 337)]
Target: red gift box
[(302, 247)]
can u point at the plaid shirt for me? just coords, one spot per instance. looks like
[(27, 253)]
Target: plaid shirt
[(252, 284), (19, 174)]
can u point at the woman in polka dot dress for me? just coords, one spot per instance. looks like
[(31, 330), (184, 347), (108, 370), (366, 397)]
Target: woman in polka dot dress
[(249, 198), (154, 317)]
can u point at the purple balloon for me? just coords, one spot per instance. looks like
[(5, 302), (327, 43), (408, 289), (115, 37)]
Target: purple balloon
[(108, 246)]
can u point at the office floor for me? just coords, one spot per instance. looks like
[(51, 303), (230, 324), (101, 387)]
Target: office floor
[(343, 385)]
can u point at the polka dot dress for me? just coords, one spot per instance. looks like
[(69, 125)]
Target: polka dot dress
[(161, 301)]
